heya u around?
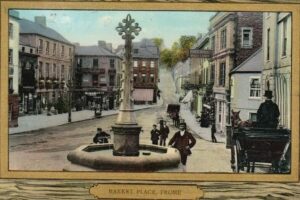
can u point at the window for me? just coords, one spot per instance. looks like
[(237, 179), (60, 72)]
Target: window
[(62, 73), (79, 62), (212, 73), (23, 49), (223, 39), (70, 51), (31, 51), (54, 49), (62, 50), (111, 80), (220, 112), (54, 71), (10, 56), (255, 87), (247, 37), (112, 63), (135, 63), (102, 79), (10, 30), (135, 51), (40, 45), (152, 64), (232, 87), (135, 78), (284, 37), (213, 43), (95, 62), (41, 70), (47, 47), (47, 70), (144, 63), (253, 117), (10, 83), (152, 78), (143, 78), (268, 44), (95, 80), (222, 74)]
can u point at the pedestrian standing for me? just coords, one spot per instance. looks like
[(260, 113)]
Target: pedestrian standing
[(164, 132), (213, 131), (155, 135), (183, 141)]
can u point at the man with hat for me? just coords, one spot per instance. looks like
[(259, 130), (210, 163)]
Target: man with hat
[(101, 137), (268, 112), (183, 141)]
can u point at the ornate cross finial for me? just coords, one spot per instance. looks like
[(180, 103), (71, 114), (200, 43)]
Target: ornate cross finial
[(127, 28)]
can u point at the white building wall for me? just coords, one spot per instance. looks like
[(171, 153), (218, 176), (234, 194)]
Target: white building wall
[(14, 46), (240, 97)]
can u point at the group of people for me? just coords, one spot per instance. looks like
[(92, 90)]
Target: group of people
[(182, 140), (160, 135)]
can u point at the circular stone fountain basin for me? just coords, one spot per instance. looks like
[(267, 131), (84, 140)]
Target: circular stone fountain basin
[(97, 157)]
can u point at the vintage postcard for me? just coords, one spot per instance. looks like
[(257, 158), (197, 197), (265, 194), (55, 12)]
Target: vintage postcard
[(126, 94)]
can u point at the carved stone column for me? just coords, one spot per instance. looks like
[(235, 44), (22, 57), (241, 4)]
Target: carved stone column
[(126, 130)]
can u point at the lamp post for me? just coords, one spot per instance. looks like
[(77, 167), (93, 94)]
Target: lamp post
[(126, 130), (69, 85)]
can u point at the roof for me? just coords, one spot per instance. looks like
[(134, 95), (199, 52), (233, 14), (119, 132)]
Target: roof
[(93, 51), (146, 49), (253, 64), (201, 42), (30, 27)]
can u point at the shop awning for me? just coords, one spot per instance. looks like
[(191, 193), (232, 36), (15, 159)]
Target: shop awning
[(143, 94)]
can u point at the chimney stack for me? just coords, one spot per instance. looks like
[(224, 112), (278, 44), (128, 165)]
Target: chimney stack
[(109, 46), (41, 20), (102, 43)]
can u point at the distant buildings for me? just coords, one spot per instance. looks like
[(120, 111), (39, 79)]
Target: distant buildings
[(55, 57), (277, 56), (96, 73), (13, 77), (145, 55)]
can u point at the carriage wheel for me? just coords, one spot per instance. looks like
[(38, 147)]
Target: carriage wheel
[(237, 159)]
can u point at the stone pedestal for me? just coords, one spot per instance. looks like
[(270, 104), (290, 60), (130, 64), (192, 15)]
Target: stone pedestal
[(126, 140)]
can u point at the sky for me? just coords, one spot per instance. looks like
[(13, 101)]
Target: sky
[(87, 27)]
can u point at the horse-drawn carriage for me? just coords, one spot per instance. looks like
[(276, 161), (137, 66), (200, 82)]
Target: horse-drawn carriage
[(173, 112), (264, 147), (252, 147)]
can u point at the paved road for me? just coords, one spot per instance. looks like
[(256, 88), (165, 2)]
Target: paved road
[(47, 149)]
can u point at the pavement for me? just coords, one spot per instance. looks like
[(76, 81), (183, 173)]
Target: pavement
[(192, 124), (35, 122)]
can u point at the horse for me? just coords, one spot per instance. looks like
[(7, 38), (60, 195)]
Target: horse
[(237, 123)]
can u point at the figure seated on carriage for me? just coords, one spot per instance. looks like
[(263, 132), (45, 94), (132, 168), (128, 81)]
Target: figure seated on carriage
[(260, 141)]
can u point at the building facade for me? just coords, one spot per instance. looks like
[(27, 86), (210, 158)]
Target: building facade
[(277, 54), (234, 37), (246, 91), (97, 74), (13, 68), (200, 55), (28, 62), (145, 57), (55, 59)]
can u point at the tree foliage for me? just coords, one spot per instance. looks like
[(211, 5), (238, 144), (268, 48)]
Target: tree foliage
[(159, 42), (178, 52)]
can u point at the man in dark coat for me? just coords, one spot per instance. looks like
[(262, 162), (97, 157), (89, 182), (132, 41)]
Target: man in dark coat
[(268, 112), (155, 135), (101, 136), (164, 132), (213, 131), (183, 141)]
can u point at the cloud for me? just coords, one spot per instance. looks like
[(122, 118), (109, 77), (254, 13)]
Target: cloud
[(105, 20)]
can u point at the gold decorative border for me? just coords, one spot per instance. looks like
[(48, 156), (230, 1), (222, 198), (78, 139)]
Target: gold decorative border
[(293, 8)]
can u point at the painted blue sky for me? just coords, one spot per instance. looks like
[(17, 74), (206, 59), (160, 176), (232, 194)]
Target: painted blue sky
[(87, 27)]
